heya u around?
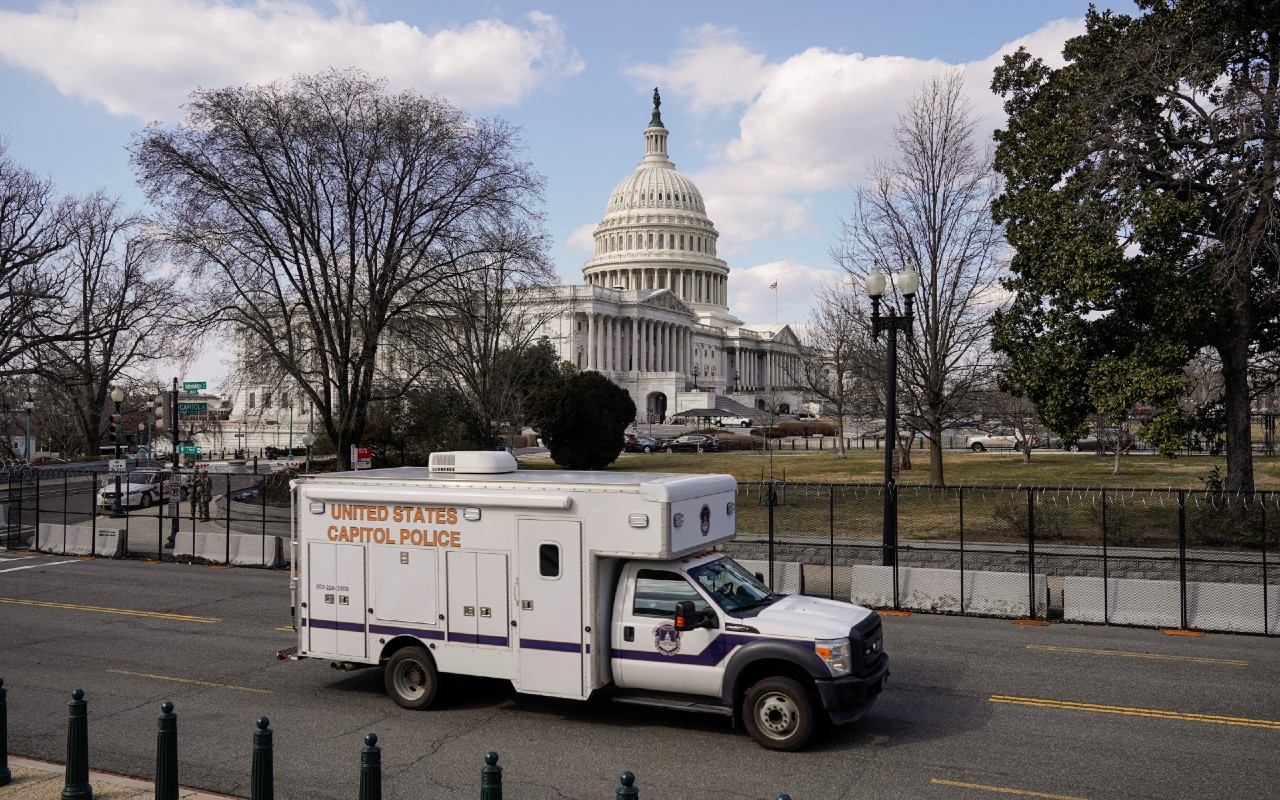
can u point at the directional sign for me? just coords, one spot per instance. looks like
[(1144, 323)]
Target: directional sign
[(117, 465), (188, 449), (191, 386), (187, 408)]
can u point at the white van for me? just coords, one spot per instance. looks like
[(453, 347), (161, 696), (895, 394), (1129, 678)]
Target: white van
[(568, 584)]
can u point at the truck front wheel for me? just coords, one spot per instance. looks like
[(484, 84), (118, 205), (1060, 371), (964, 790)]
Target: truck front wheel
[(411, 678), (778, 714)]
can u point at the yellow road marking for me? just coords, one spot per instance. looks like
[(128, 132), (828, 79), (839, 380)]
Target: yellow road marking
[(288, 628), (188, 680), (1126, 654), (1004, 790), (1068, 705), (105, 610)]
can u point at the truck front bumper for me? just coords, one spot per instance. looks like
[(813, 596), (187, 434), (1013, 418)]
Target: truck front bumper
[(847, 699)]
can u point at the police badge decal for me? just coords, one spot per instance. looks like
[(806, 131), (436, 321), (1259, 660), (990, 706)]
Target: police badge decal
[(666, 639)]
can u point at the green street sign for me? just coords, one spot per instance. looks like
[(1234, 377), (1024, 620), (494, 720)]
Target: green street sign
[(191, 386), (187, 408), (188, 449)]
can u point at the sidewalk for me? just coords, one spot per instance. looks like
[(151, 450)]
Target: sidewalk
[(43, 780)]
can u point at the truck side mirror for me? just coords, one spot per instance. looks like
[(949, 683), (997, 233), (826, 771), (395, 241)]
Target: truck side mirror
[(686, 617)]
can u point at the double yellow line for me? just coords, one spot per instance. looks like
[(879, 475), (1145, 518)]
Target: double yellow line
[(105, 610), (1067, 705)]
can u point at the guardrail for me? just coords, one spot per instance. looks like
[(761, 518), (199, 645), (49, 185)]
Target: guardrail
[(261, 760)]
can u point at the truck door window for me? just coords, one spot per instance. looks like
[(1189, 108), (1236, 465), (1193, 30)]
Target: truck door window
[(658, 591), (549, 560)]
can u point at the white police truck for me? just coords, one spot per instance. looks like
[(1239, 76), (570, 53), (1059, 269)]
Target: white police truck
[(568, 584)]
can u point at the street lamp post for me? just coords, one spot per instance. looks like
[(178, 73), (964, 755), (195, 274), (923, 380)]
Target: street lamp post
[(28, 404), (117, 397), (908, 283), (151, 407)]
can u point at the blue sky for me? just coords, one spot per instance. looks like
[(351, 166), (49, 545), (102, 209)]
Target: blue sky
[(775, 109)]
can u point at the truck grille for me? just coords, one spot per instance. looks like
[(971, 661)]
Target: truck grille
[(866, 641)]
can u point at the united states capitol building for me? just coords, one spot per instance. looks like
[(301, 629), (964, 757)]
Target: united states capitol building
[(652, 314)]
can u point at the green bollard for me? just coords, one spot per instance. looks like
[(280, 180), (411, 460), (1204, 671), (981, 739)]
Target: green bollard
[(784, 796), (491, 778), (167, 753), (77, 784), (371, 768), (5, 774), (626, 787), (263, 780)]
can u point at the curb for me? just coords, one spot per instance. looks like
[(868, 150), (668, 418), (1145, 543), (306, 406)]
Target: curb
[(43, 786)]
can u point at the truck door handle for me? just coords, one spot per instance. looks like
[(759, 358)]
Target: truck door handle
[(328, 598), (485, 612), (468, 611), (628, 633)]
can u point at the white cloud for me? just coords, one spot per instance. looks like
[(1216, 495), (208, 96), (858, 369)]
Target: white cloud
[(811, 123), (713, 69), (583, 238), (751, 299), (142, 58)]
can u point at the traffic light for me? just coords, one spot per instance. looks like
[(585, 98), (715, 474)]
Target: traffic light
[(162, 403), (114, 427)]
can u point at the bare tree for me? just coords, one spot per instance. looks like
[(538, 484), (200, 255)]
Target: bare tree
[(833, 352), (34, 228), (930, 205), (326, 214), (480, 337), (116, 311)]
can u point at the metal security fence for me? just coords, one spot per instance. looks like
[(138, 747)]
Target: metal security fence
[(1182, 559), (71, 511)]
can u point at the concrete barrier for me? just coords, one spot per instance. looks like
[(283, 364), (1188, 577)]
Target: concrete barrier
[(1234, 607), (788, 576), (246, 549), (997, 594), (79, 540)]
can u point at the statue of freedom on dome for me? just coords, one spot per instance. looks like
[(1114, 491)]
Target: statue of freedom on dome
[(656, 119)]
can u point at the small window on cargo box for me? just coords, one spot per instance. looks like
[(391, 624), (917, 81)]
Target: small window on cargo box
[(549, 560)]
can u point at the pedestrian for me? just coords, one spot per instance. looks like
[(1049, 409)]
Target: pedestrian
[(201, 491)]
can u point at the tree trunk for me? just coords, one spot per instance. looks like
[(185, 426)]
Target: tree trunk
[(1235, 380), (904, 449), (1115, 466), (935, 453)]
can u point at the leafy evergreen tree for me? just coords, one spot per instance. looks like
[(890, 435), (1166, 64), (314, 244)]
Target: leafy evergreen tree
[(582, 420)]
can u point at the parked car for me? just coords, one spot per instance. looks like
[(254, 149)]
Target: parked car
[(633, 443), (141, 488), (692, 442), (1104, 443), (966, 423), (999, 438), (736, 422), (47, 461)]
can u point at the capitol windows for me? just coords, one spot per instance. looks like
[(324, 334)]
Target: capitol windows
[(651, 241), (660, 241), (682, 241), (628, 241)]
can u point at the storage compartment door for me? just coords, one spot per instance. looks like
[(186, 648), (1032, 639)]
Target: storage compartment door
[(336, 599), (550, 613), (404, 585), (462, 613), (493, 618)]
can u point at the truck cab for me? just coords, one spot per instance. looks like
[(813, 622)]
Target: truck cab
[(568, 584)]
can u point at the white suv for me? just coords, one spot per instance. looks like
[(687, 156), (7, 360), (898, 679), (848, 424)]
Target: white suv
[(736, 422), (141, 488)]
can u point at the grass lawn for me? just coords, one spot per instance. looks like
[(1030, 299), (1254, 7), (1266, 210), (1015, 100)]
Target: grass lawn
[(959, 468)]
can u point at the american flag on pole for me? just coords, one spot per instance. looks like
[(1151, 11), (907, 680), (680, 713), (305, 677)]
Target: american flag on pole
[(773, 285)]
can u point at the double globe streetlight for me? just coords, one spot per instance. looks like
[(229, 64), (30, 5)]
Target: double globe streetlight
[(908, 282)]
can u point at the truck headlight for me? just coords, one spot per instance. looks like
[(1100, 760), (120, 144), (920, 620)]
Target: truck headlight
[(835, 654)]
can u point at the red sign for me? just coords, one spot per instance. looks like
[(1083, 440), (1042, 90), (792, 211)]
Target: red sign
[(361, 457)]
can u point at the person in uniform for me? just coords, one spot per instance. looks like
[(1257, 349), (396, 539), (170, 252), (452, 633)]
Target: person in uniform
[(201, 491)]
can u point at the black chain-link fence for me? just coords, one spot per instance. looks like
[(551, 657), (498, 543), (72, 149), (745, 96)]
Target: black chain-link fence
[(1162, 558)]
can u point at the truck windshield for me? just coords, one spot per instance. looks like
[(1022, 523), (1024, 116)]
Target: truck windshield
[(730, 585)]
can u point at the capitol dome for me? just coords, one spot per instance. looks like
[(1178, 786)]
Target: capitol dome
[(656, 234)]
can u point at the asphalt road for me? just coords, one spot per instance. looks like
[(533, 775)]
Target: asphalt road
[(975, 708)]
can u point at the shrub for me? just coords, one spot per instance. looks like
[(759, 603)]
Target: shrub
[(582, 420)]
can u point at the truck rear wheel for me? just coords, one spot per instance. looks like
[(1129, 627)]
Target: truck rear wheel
[(411, 678), (778, 714)]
